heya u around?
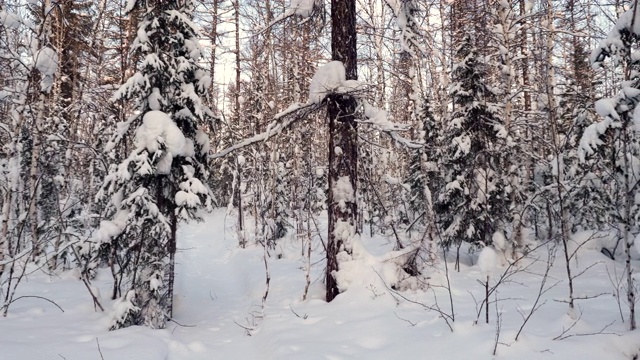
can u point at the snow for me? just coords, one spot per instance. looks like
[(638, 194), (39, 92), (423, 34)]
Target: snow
[(607, 108), (327, 79), (219, 288), (487, 261), (10, 20), (499, 241), (46, 61), (158, 129), (342, 190), (302, 8)]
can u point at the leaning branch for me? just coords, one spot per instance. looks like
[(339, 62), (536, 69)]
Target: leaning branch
[(281, 121)]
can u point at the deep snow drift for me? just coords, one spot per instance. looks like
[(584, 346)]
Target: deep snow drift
[(219, 290)]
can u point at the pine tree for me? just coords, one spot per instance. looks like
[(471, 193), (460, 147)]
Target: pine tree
[(618, 132), (161, 181), (473, 202)]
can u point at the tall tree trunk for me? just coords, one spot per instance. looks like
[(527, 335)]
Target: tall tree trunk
[(343, 147)]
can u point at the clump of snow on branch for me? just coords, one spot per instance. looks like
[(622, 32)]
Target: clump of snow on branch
[(487, 261), (591, 138), (109, 229), (159, 130), (613, 45), (46, 61), (378, 118), (330, 79), (190, 191), (10, 20), (343, 191), (123, 308), (302, 8)]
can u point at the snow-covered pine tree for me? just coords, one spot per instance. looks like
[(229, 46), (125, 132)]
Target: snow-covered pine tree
[(587, 201), (618, 131), (277, 212), (161, 182), (473, 201), (422, 169)]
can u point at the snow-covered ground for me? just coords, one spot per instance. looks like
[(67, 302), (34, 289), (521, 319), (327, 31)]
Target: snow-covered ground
[(219, 290)]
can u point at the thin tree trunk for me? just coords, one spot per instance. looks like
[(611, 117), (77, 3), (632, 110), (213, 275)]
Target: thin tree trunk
[(33, 179), (628, 241), (172, 263)]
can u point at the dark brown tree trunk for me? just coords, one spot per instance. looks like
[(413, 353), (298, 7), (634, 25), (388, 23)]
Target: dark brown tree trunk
[(343, 146)]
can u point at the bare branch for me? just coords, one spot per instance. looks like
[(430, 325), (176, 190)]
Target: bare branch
[(281, 121)]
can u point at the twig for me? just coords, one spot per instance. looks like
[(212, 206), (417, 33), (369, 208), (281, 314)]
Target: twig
[(600, 332), (446, 317), (247, 329), (541, 291), (498, 326), (411, 323), (181, 325), (37, 297), (87, 284), (304, 317), (617, 287), (99, 350)]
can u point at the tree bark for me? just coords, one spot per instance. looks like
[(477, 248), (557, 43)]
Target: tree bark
[(343, 147)]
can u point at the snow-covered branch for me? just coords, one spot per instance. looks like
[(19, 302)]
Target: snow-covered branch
[(302, 8), (378, 119), (282, 120)]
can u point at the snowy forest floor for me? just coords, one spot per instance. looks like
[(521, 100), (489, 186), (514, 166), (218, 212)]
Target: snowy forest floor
[(219, 289)]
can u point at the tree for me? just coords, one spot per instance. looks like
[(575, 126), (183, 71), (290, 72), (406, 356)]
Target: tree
[(162, 180), (618, 131), (343, 146), (473, 203)]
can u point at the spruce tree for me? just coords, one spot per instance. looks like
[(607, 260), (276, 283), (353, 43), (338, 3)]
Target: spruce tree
[(617, 131), (473, 201), (161, 181)]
